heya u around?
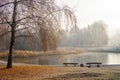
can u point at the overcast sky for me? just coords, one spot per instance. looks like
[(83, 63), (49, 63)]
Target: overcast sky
[(88, 11)]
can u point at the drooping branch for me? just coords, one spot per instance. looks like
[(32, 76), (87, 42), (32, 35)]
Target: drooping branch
[(23, 36), (6, 4), (4, 34), (21, 29), (5, 21), (28, 17)]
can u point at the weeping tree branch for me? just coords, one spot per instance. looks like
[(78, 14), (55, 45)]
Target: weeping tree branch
[(23, 36), (5, 34), (6, 21), (6, 4), (21, 29), (10, 31)]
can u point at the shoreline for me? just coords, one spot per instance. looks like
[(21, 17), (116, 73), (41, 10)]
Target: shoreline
[(3, 63), (27, 54)]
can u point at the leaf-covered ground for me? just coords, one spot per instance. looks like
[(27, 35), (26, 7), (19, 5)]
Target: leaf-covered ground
[(58, 73)]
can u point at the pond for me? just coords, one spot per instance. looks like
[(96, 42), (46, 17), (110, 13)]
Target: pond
[(105, 58)]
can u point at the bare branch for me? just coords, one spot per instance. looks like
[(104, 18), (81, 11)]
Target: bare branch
[(6, 4), (10, 31), (23, 19), (24, 36), (5, 33), (28, 17), (6, 21), (21, 29), (52, 13)]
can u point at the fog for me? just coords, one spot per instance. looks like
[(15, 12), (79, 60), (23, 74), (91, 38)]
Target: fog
[(94, 35), (88, 11), (97, 26)]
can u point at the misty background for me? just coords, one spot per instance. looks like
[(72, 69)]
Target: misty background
[(97, 26), (90, 11)]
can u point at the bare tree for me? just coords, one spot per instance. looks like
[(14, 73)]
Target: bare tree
[(42, 16)]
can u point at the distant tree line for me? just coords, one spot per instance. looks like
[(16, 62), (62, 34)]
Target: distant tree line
[(94, 35)]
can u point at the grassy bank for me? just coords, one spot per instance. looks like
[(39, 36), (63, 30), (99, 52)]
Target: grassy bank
[(40, 53), (19, 53), (61, 52), (58, 73)]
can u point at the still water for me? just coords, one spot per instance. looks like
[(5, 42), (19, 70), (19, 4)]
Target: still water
[(105, 58)]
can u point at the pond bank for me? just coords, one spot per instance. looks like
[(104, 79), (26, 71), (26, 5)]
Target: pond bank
[(23, 54)]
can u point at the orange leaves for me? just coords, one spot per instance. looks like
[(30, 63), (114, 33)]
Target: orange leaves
[(26, 72), (57, 73)]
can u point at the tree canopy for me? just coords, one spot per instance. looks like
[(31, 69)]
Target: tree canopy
[(41, 19)]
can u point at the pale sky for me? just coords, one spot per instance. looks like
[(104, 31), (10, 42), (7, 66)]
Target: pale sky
[(88, 11)]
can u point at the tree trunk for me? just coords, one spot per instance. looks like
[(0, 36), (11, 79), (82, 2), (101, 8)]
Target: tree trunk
[(13, 27), (9, 64)]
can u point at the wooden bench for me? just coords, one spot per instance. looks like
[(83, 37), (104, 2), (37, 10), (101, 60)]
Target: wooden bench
[(93, 63), (74, 64)]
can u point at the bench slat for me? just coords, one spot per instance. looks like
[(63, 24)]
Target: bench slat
[(70, 63), (94, 63), (66, 64), (97, 63)]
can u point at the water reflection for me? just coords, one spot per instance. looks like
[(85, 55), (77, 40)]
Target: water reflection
[(105, 58), (114, 59)]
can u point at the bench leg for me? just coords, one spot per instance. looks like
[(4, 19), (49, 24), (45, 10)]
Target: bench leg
[(89, 66), (98, 65)]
